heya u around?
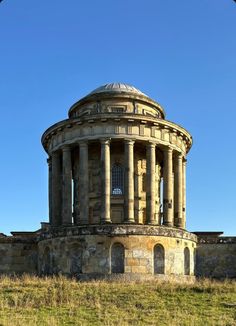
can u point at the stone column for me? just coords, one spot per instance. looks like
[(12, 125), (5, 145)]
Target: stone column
[(158, 194), (168, 187), (151, 183), (66, 186), (178, 191), (56, 189), (83, 183), (129, 181), (49, 161), (184, 193), (106, 181), (76, 187)]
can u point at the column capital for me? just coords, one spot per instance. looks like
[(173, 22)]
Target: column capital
[(129, 141), (105, 141), (179, 156), (56, 154), (66, 148), (83, 143), (151, 144), (168, 149)]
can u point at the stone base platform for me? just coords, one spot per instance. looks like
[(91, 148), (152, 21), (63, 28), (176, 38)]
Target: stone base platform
[(115, 251)]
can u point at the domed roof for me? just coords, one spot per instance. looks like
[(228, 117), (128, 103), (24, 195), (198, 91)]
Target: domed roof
[(117, 88)]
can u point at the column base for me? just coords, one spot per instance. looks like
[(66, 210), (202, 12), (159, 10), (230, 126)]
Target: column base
[(83, 222), (152, 223), (129, 222), (67, 224), (168, 224), (106, 221)]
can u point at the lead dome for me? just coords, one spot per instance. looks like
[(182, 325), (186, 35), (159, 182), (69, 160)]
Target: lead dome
[(117, 87)]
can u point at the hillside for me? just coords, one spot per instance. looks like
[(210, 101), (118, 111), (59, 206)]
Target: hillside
[(59, 301)]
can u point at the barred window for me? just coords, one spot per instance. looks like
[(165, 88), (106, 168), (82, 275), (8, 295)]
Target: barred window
[(117, 179)]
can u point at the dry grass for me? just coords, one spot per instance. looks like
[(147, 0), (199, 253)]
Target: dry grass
[(29, 300)]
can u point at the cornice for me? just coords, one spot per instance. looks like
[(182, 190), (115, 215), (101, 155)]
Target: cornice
[(114, 95), (117, 118)]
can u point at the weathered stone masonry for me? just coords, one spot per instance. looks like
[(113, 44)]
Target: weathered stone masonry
[(117, 197)]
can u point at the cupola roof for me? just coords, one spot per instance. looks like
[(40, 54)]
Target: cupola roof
[(117, 88)]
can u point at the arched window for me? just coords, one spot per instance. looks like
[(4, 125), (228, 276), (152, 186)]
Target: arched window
[(186, 261), (159, 259), (117, 258), (117, 179)]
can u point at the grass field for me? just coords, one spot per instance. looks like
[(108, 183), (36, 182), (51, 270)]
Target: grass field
[(59, 301)]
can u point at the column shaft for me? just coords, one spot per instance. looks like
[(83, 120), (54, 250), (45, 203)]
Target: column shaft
[(49, 161), (56, 189), (106, 181), (151, 183), (158, 194), (184, 193), (66, 187), (83, 183), (76, 188), (178, 191), (168, 188), (129, 181)]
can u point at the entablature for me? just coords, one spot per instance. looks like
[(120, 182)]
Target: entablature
[(135, 127)]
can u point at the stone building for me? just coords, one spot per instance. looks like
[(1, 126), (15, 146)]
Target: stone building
[(117, 197)]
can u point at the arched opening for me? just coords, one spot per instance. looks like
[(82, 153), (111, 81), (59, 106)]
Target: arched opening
[(46, 270), (76, 260), (186, 261), (117, 258), (117, 179), (159, 259)]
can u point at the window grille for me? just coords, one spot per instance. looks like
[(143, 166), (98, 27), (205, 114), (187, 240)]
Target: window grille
[(117, 179)]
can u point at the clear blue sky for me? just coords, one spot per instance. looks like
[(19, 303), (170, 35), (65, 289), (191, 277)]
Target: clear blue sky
[(181, 53)]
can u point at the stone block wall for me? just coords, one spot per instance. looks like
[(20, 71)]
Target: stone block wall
[(18, 255), (216, 257), (101, 254)]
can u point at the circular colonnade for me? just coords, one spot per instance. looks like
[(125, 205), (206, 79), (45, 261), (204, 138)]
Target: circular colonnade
[(117, 163)]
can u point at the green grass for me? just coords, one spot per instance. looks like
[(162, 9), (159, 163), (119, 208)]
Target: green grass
[(59, 301)]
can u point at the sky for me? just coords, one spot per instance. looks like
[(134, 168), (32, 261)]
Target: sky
[(180, 53)]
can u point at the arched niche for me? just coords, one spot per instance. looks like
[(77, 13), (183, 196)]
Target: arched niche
[(186, 261), (117, 258), (46, 270), (159, 259), (76, 259)]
